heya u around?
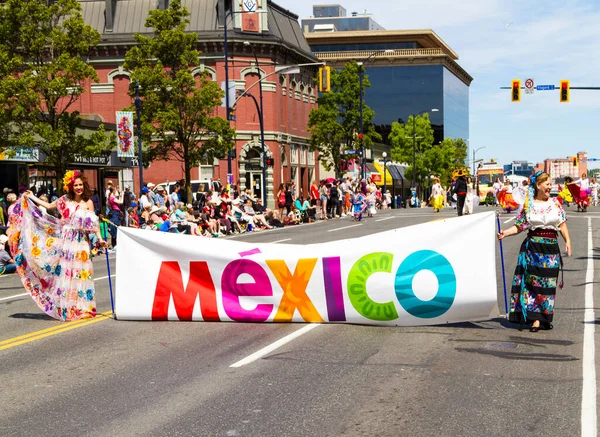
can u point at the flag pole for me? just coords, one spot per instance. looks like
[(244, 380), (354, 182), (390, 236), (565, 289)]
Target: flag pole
[(503, 269)]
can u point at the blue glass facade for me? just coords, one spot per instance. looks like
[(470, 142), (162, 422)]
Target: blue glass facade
[(397, 92)]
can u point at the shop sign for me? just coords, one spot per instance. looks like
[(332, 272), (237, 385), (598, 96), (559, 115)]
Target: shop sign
[(92, 160), (21, 155)]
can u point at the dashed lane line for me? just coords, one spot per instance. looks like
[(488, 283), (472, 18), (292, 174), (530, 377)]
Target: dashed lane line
[(345, 227), (274, 346)]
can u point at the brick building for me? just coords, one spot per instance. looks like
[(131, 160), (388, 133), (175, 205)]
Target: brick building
[(274, 37), (559, 168)]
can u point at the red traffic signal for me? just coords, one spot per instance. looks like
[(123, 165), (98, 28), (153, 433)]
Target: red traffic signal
[(516, 90), (360, 136), (574, 161), (270, 162), (565, 91)]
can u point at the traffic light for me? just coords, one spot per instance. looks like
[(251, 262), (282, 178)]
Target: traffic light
[(270, 162), (574, 161), (516, 90), (324, 79), (565, 91), (231, 114)]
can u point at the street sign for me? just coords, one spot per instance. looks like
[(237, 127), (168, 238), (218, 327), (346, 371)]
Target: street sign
[(545, 88), (529, 86), (349, 152)]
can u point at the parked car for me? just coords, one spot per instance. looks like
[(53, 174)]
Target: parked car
[(200, 186)]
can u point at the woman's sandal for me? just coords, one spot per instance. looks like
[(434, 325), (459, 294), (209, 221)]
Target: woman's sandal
[(534, 328)]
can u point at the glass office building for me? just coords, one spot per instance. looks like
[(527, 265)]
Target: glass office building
[(398, 92)]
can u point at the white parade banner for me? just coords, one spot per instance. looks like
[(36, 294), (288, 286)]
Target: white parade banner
[(438, 272)]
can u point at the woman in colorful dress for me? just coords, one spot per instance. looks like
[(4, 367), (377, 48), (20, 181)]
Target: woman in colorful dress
[(53, 255), (437, 196), (536, 275)]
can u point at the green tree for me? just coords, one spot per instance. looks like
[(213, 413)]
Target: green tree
[(335, 125), (437, 159), (444, 158), (43, 64), (414, 138), (178, 110)]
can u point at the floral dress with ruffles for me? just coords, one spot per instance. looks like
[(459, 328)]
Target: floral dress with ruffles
[(53, 257)]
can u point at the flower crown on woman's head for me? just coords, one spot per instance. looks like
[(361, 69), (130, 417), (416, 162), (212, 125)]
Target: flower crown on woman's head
[(69, 180)]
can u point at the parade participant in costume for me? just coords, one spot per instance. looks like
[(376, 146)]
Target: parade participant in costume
[(584, 185), (565, 194), (53, 255), (520, 193), (469, 199), (437, 196), (505, 198), (497, 187), (460, 189), (536, 275), (594, 191)]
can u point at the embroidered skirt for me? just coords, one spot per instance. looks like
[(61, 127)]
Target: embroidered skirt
[(536, 278)]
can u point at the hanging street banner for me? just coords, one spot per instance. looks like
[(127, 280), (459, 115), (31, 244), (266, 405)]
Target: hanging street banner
[(125, 138), (433, 273)]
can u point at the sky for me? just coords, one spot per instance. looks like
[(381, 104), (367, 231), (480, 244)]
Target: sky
[(501, 40)]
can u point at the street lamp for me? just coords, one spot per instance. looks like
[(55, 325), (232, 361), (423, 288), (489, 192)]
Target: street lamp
[(385, 161), (474, 175), (229, 14), (360, 81), (414, 169), (263, 166)]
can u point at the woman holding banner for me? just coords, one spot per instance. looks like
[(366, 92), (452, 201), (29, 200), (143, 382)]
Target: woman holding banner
[(536, 275), (52, 255)]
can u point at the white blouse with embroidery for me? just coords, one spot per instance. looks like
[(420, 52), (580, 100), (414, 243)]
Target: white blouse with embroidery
[(542, 215)]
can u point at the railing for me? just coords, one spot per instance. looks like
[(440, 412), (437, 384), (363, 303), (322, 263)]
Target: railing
[(364, 54)]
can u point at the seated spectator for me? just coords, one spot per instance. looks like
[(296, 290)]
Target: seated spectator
[(147, 211), (293, 217), (311, 210), (7, 264), (259, 219), (156, 214), (240, 215)]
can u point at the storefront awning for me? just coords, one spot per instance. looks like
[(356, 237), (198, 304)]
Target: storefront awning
[(397, 172), (378, 178)]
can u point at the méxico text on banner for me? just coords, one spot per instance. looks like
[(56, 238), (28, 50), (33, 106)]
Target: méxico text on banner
[(438, 272)]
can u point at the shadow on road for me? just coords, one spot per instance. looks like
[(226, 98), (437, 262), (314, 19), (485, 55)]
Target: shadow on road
[(31, 316)]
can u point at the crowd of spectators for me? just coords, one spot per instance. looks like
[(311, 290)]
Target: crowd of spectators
[(211, 214)]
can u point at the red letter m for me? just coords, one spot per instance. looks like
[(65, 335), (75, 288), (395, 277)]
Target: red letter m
[(170, 283)]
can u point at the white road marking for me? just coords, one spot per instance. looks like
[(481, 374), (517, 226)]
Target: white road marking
[(27, 294), (345, 227), (588, 395), (281, 241), (383, 219), (14, 297), (510, 220), (276, 345)]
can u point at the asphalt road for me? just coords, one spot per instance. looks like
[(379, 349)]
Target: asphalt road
[(122, 378)]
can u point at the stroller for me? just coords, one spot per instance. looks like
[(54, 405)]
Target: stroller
[(359, 205), (581, 198)]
